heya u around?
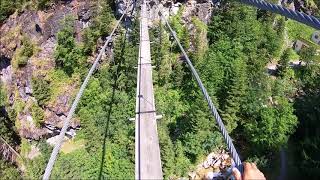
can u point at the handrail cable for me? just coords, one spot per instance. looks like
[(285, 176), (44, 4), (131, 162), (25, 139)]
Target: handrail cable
[(57, 146), (214, 111), (138, 156), (295, 15)]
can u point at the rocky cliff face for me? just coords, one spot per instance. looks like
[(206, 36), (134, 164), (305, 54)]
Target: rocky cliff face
[(41, 28), (192, 8)]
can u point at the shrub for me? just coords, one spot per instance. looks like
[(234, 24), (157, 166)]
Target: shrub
[(2, 95), (43, 4), (41, 90), (22, 61), (89, 36), (8, 171), (19, 105), (27, 47), (37, 114), (24, 53), (66, 53), (7, 7)]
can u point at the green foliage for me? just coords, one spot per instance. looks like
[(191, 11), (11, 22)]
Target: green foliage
[(7, 7), (107, 104), (240, 46), (67, 54), (3, 98), (27, 47), (306, 138), (167, 151), (200, 44), (116, 163), (235, 93), (37, 114), (255, 108), (181, 30), (101, 26), (43, 4), (308, 55), (76, 165), (41, 90), (164, 57), (317, 13), (22, 61), (224, 74), (66, 44), (25, 147), (185, 132), (90, 36), (273, 40), (8, 171), (309, 74), (24, 53), (35, 167), (19, 105), (86, 163), (181, 162), (297, 29), (7, 131), (272, 127), (259, 161), (240, 24), (104, 109), (293, 55), (104, 18), (60, 83), (283, 64)]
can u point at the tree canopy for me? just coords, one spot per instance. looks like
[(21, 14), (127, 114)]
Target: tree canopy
[(262, 112)]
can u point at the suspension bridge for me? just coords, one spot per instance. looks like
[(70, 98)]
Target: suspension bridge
[(147, 150)]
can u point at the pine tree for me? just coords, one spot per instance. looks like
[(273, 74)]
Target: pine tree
[(283, 65), (182, 163), (236, 92), (104, 18)]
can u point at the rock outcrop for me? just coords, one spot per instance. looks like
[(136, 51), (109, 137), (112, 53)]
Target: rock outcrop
[(41, 28), (192, 8), (217, 165)]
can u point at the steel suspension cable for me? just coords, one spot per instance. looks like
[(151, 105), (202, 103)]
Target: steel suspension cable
[(66, 123), (295, 15), (213, 109)]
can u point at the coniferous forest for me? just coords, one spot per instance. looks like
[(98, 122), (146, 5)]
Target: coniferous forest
[(269, 115)]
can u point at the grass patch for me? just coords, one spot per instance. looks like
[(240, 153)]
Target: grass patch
[(296, 30), (72, 145), (60, 83), (25, 147), (293, 55)]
